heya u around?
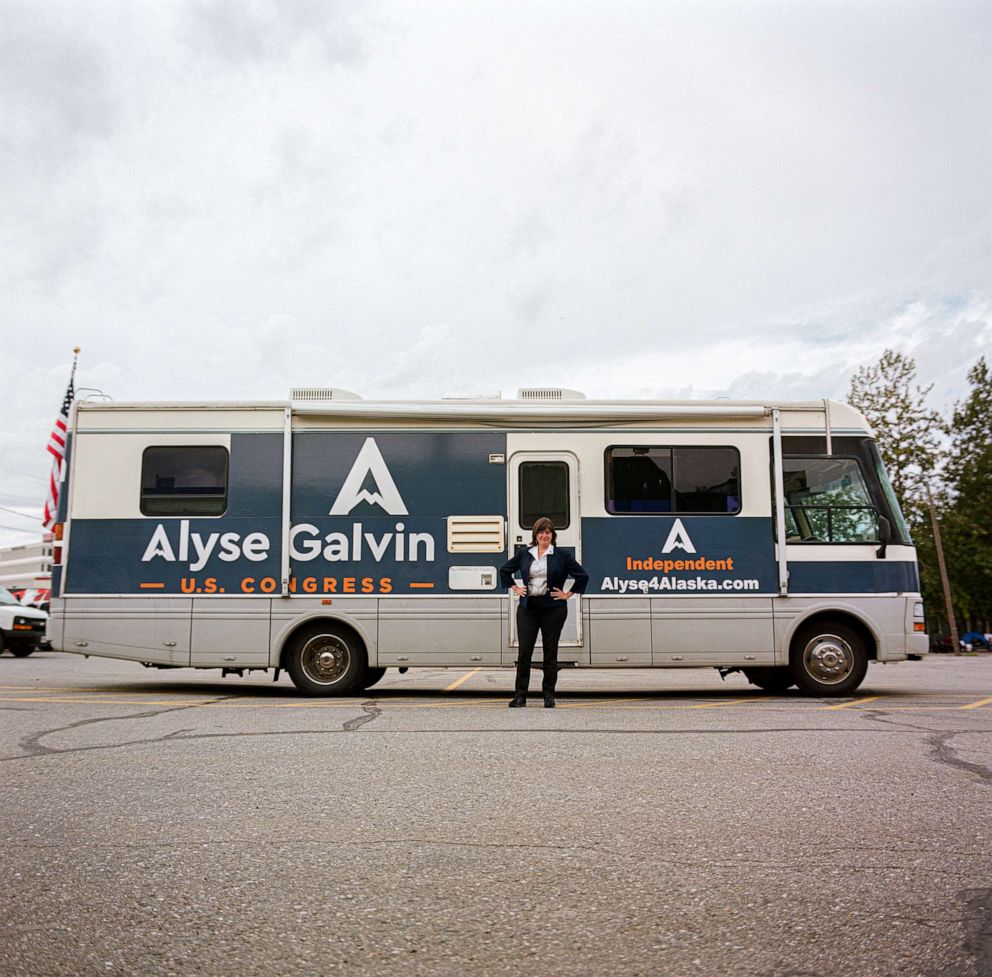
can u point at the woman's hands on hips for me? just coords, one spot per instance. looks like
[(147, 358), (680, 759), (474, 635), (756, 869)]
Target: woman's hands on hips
[(561, 594)]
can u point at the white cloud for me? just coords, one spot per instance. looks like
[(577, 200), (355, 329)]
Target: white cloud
[(222, 200)]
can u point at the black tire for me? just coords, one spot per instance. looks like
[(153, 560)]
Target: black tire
[(776, 680), (22, 651), (372, 675), (326, 659), (828, 658)]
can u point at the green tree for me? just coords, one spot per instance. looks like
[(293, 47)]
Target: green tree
[(968, 531), (909, 436), (908, 432)]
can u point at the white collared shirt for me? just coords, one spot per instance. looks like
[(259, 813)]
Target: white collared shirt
[(537, 584)]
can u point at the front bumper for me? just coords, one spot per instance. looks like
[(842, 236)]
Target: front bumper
[(22, 639)]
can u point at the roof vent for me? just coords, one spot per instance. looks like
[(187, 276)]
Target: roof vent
[(310, 395), (549, 393)]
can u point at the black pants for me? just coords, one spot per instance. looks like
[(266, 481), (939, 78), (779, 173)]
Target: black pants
[(549, 621)]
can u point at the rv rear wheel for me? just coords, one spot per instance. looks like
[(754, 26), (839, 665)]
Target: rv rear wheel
[(770, 679), (828, 658), (326, 660)]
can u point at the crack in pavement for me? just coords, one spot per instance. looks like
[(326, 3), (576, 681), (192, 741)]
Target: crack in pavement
[(34, 748), (938, 742), (370, 711), (794, 866), (942, 752), (309, 841)]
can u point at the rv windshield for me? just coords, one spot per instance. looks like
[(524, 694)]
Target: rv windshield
[(6, 597)]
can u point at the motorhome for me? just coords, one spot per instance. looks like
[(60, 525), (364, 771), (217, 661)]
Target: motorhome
[(335, 537)]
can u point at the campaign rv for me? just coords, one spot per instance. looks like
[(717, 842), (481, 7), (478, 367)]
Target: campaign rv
[(336, 537)]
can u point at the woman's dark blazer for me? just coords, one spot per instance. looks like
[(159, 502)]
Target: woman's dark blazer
[(561, 566)]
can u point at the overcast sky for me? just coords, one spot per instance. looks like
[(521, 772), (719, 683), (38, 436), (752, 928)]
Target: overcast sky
[(226, 198)]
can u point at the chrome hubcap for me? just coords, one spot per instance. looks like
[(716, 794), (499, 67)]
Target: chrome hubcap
[(828, 658), (325, 659)]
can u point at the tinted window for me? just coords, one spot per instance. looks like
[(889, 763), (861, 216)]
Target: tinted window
[(647, 479), (544, 492), (707, 480), (190, 481)]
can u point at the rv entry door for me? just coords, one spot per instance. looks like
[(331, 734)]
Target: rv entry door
[(546, 483)]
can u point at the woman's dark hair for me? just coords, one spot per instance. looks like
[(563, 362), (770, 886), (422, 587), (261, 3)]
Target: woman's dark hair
[(543, 523)]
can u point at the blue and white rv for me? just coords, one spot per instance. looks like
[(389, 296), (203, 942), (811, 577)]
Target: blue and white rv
[(336, 537)]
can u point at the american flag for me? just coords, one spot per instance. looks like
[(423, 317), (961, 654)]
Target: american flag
[(56, 448)]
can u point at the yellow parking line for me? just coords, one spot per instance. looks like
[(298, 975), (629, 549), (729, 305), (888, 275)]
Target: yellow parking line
[(602, 702), (978, 704), (853, 702), (461, 681), (456, 703), (730, 702)]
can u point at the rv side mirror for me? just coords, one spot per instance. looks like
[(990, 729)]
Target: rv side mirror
[(884, 536)]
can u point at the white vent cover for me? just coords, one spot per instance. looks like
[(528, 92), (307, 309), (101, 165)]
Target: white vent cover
[(312, 394), (549, 393), (475, 534)]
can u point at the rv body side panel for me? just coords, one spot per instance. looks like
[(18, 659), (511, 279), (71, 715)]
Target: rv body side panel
[(146, 629)]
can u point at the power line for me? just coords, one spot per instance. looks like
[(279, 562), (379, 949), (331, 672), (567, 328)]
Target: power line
[(37, 478), (21, 514)]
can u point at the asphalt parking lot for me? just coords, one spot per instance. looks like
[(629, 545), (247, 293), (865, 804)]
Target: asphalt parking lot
[(657, 822)]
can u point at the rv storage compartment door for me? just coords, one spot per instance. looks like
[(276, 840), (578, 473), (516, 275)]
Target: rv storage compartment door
[(712, 631), (457, 631), (620, 631), (231, 631), (144, 629)]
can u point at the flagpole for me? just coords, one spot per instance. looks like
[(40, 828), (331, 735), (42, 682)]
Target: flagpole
[(57, 441)]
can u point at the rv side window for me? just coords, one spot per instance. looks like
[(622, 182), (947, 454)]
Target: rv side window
[(544, 492), (188, 481), (827, 502), (687, 480)]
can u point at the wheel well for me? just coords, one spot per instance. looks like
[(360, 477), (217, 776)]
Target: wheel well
[(825, 618), (306, 625)]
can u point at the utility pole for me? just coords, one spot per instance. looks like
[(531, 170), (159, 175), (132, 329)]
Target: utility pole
[(945, 583)]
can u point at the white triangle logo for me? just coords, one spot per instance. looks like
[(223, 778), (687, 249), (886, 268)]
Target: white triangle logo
[(678, 538), (387, 495)]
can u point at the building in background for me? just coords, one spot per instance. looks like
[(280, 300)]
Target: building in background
[(26, 570)]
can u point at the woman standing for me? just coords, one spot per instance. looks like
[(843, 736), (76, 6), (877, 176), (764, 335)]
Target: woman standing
[(543, 604)]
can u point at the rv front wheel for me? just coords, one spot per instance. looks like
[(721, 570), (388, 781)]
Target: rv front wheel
[(829, 658), (325, 660), (372, 675)]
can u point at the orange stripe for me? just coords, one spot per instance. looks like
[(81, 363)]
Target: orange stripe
[(152, 586), (423, 586)]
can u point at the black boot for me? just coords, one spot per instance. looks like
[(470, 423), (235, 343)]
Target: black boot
[(518, 700), (549, 700)]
